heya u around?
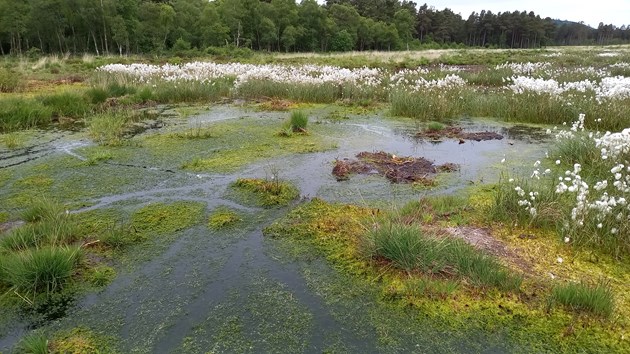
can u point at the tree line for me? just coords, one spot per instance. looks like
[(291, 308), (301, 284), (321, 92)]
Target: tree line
[(154, 26)]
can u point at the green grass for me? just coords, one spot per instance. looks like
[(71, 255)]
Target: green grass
[(108, 128), (435, 126), (12, 140), (429, 105), (67, 104), (596, 299), (23, 113), (268, 192), (33, 344), (298, 121), (10, 81), (42, 209), (410, 249), (42, 270)]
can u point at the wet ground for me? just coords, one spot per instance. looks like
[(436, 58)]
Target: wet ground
[(233, 290)]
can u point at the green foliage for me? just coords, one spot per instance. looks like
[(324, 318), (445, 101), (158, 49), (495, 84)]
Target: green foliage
[(409, 248), (298, 121), (596, 299), (342, 42), (272, 192)]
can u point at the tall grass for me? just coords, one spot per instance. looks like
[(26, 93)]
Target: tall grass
[(430, 105), (298, 121), (596, 299), (67, 104), (23, 113), (190, 92), (10, 81), (409, 248)]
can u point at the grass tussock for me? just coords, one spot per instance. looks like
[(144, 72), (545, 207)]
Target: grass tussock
[(298, 121), (271, 192), (12, 141), (42, 270), (33, 344), (108, 128), (596, 299), (409, 248), (10, 81)]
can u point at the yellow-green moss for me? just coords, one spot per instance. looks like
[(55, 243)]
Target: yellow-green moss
[(223, 217), (267, 192), (161, 218), (79, 341)]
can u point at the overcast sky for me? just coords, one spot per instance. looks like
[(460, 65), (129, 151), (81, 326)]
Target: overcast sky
[(592, 13)]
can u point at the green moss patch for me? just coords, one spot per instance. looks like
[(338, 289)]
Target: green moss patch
[(223, 217), (267, 192), (161, 218)]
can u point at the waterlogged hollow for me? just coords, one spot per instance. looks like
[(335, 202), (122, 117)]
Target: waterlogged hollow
[(232, 290)]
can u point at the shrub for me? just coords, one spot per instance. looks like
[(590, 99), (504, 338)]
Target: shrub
[(581, 297)]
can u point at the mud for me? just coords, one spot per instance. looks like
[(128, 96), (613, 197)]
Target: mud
[(481, 238), (397, 169), (457, 133)]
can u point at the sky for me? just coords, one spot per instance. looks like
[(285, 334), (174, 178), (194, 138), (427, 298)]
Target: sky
[(592, 13)]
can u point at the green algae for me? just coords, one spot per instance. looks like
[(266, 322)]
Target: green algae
[(240, 142), (265, 192), (161, 218)]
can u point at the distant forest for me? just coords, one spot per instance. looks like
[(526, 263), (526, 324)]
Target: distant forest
[(143, 26)]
